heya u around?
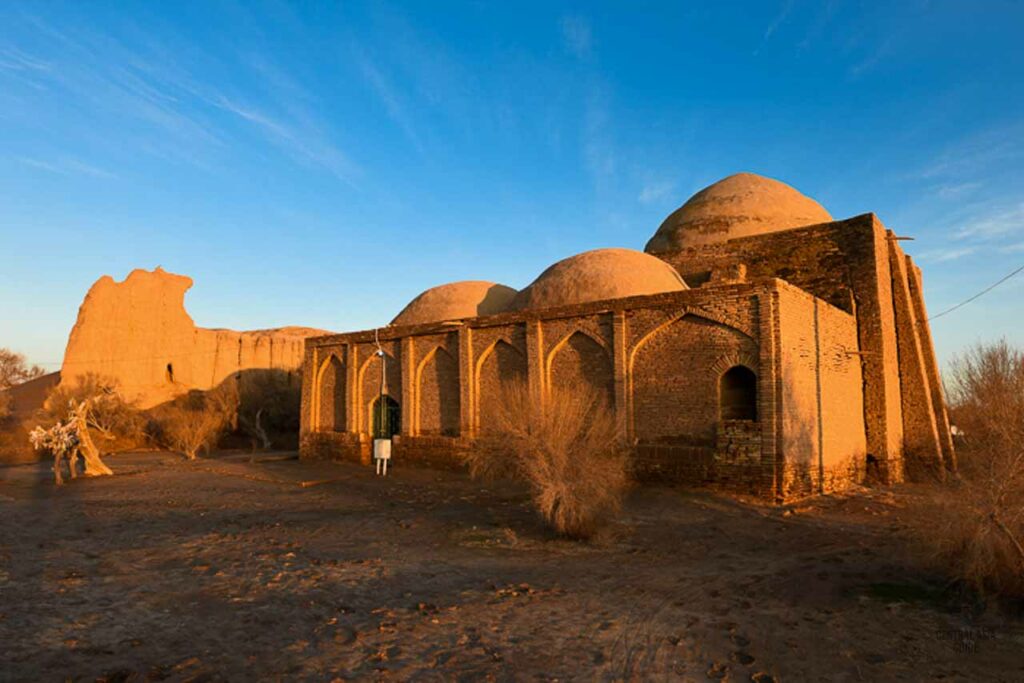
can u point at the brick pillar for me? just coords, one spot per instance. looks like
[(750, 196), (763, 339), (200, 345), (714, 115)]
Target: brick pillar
[(867, 252), (310, 365), (931, 366), (920, 434), (352, 393), (535, 371), (769, 394), (467, 381), (407, 353), (619, 372)]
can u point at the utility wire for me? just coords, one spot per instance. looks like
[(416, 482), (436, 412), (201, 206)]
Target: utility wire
[(984, 291)]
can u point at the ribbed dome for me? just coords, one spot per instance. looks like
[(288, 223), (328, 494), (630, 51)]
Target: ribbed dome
[(598, 275), (738, 206), (456, 300)]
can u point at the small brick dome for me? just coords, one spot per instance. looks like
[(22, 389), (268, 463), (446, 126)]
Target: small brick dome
[(455, 300), (741, 205), (598, 275)]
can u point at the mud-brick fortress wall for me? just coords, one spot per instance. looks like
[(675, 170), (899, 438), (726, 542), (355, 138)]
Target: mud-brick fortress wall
[(857, 266), (658, 360), (138, 333)]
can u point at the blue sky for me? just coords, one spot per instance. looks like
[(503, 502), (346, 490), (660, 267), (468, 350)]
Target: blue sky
[(322, 163)]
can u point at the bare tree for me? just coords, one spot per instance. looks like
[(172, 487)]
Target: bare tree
[(975, 524), (69, 439), (14, 369)]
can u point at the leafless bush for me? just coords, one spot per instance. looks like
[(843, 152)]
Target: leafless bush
[(570, 454), (974, 525), (268, 407), (196, 420), (112, 417)]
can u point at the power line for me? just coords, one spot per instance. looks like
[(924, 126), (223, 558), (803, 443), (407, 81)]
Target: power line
[(984, 291)]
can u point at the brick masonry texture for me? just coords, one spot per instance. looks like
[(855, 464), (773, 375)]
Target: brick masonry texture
[(828, 318)]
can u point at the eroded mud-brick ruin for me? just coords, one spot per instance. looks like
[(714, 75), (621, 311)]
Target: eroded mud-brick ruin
[(758, 345)]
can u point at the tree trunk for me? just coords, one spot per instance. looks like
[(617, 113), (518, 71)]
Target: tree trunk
[(94, 466)]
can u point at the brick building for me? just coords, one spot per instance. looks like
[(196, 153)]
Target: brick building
[(757, 345)]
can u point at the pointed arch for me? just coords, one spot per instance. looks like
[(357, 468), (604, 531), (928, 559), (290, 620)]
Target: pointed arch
[(673, 394), (438, 401), (582, 363), (685, 313), (368, 381), (330, 395), (737, 394), (501, 364)]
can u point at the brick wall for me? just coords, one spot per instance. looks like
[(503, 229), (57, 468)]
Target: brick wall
[(579, 363), (845, 263), (659, 358), (823, 444), (438, 403)]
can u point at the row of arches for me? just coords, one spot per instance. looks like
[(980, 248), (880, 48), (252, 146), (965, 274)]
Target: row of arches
[(673, 390)]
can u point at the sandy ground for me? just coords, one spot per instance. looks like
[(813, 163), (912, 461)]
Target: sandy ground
[(231, 569)]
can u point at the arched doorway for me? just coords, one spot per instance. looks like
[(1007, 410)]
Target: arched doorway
[(387, 417), (738, 394)]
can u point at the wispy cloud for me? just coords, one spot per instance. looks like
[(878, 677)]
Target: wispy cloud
[(598, 151), (774, 24), (13, 59), (979, 153), (66, 166), (656, 190), (392, 104), (577, 36), (950, 254), (296, 142), (882, 50), (957, 190), (167, 105), (994, 225)]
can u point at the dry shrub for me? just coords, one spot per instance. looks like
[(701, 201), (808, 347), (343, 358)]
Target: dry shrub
[(974, 525), (114, 421), (268, 410), (197, 420), (15, 447), (570, 455)]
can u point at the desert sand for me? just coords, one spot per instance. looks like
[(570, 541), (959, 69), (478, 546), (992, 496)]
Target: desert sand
[(242, 568)]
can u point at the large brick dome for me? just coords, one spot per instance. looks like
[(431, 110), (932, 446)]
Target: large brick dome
[(598, 275), (455, 300), (741, 205)]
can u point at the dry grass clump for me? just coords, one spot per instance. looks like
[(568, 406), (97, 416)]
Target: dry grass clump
[(974, 525), (570, 455)]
